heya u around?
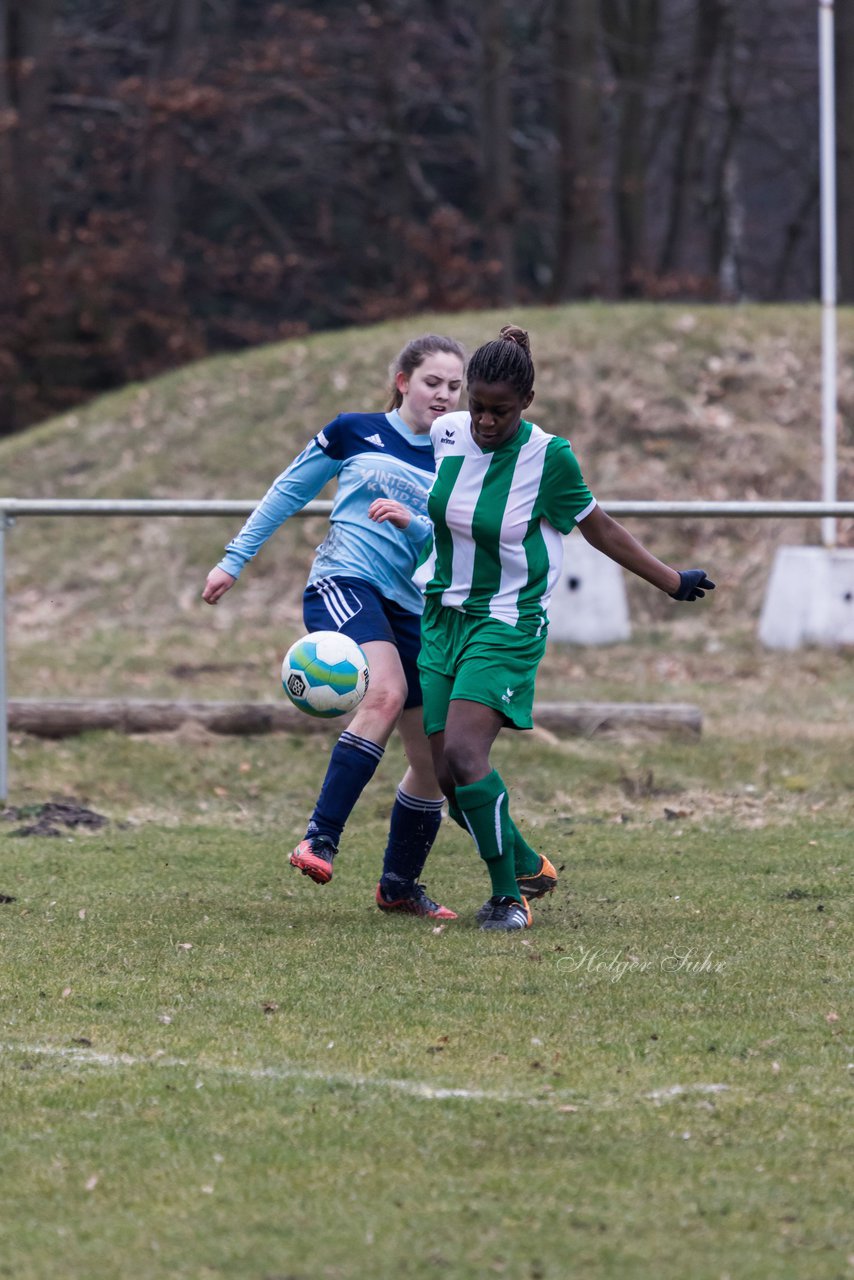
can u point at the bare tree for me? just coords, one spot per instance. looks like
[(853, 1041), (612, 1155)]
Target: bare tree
[(578, 133), (391, 140), (26, 50), (688, 151), (170, 189), (631, 30), (844, 78), (176, 37), (498, 186)]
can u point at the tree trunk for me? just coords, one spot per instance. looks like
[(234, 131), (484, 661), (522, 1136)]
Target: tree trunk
[(798, 227), (178, 32), (725, 212), (631, 29), (688, 163), (8, 187), (25, 69), (578, 133), (391, 126), (499, 197), (844, 78)]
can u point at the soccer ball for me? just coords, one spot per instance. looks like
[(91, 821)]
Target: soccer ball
[(325, 674)]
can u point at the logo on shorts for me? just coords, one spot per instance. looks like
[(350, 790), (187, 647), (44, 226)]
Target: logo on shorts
[(505, 697)]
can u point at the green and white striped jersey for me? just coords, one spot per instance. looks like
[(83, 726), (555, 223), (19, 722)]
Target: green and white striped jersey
[(498, 519)]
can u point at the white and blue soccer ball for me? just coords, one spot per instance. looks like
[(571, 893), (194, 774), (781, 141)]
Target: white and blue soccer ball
[(325, 674)]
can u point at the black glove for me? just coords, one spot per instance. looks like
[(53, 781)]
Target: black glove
[(693, 583)]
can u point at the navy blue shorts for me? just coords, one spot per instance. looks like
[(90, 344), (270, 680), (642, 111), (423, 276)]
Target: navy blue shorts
[(356, 608)]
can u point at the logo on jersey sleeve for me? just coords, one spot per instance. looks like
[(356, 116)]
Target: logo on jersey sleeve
[(448, 432), (322, 440)]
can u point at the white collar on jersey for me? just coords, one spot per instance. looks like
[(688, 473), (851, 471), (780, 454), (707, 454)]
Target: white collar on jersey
[(406, 431)]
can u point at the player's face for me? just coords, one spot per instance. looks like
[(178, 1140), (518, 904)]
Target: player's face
[(430, 390), (496, 410)]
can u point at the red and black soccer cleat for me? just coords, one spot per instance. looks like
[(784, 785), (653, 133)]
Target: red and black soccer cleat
[(313, 857), (414, 902)]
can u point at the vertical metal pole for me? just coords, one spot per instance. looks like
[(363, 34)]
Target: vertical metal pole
[(828, 265), (4, 718)]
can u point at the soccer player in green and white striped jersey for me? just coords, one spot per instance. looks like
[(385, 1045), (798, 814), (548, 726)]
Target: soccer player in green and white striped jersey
[(504, 495)]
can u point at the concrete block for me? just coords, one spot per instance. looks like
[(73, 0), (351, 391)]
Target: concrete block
[(810, 599), (588, 605)]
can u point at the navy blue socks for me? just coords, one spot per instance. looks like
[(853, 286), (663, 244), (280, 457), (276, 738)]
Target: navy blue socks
[(414, 826), (414, 821), (351, 766)]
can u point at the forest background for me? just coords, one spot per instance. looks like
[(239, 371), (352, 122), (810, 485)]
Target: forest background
[(185, 177)]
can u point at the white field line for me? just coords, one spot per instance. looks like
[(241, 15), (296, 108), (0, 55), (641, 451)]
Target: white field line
[(412, 1088)]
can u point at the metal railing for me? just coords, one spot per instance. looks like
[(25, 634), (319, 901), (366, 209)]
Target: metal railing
[(12, 508)]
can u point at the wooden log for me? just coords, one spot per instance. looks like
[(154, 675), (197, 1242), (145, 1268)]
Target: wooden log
[(62, 718), (586, 718)]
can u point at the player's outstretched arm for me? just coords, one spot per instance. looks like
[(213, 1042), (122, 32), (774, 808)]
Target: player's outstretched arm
[(607, 535), (218, 582)]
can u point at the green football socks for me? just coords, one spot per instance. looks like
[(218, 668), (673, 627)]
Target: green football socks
[(526, 861), (484, 809)]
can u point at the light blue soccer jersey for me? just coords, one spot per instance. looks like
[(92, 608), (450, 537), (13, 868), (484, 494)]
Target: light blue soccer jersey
[(373, 455)]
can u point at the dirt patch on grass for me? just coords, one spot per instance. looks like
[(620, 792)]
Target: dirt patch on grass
[(48, 819)]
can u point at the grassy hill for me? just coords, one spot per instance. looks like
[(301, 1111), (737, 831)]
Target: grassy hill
[(659, 402)]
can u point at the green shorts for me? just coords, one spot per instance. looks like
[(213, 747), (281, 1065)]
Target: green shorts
[(476, 660)]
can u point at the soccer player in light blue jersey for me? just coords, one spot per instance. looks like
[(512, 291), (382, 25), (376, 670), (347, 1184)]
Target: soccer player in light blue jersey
[(361, 584)]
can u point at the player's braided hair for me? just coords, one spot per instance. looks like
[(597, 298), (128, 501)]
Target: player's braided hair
[(506, 359), (415, 353)]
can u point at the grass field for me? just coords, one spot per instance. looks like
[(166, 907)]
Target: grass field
[(211, 1067)]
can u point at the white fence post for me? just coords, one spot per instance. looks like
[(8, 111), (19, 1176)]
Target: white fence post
[(829, 359)]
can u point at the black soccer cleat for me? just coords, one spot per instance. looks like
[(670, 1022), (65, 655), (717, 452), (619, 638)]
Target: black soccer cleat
[(506, 914), (532, 886)]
